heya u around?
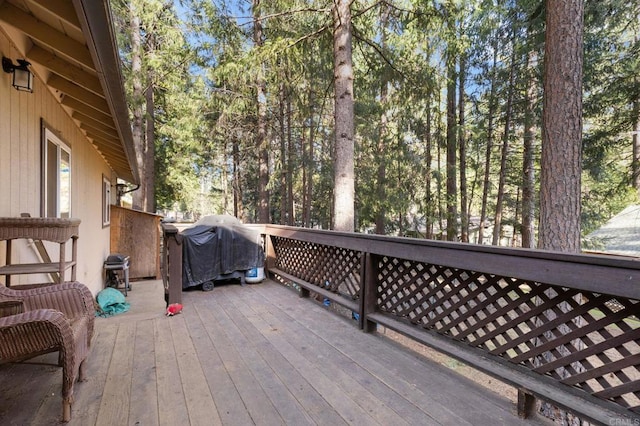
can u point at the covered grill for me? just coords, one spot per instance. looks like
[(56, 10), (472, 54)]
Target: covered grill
[(117, 262), (219, 248)]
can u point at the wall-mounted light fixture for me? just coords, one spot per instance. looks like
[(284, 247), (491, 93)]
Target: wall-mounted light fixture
[(22, 77)]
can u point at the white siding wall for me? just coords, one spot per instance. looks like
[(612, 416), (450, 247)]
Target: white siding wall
[(20, 145)]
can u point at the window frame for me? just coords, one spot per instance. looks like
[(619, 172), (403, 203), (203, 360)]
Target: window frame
[(49, 136), (106, 201)]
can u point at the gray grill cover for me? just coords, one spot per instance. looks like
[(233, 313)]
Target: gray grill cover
[(216, 246)]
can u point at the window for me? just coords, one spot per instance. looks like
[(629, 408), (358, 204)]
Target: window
[(56, 174), (106, 201)]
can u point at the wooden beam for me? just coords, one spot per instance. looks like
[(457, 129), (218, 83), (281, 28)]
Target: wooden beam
[(63, 9), (45, 34), (65, 69), (100, 125), (106, 141), (86, 110), (113, 156), (115, 162), (104, 148), (78, 93), (100, 132)]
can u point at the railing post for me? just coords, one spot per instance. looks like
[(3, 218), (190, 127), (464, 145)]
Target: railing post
[(368, 291), (172, 264), (270, 253), (526, 404)]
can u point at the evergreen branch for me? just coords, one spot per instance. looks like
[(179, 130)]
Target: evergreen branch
[(278, 15), (292, 12), (365, 10), (375, 47), (310, 35)]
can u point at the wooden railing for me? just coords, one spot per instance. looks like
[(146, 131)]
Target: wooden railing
[(564, 328), (171, 264), (561, 327)]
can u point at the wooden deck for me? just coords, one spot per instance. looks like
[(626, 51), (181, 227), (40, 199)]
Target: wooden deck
[(256, 354)]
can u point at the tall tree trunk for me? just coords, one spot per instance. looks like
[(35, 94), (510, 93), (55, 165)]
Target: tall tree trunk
[(381, 175), (441, 214), (150, 138), (290, 164), (562, 127), (149, 157), (261, 133), (635, 165), (497, 224), (137, 125), (516, 217), (528, 166), (636, 144), (561, 166), (486, 184), (429, 210), (344, 175), (464, 199), (309, 163), (452, 145), (226, 202), (238, 205), (283, 159)]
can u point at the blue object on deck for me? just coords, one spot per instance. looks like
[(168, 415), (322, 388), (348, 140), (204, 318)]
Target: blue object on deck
[(254, 275)]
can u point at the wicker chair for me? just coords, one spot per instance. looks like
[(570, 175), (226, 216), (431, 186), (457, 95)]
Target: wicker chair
[(48, 319)]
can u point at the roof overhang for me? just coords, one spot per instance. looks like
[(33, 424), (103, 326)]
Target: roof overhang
[(71, 45)]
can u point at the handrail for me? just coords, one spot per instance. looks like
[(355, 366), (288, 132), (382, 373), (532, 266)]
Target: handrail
[(579, 271), (563, 327)]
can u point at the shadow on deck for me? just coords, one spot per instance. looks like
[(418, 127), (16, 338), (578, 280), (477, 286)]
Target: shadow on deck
[(246, 355)]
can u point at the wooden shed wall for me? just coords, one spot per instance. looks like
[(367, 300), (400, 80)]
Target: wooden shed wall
[(137, 234)]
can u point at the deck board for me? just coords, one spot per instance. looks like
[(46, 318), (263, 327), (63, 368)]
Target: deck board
[(419, 406), (200, 404), (172, 407), (389, 406), (317, 408), (254, 397), (40, 372), (308, 370), (243, 355), (288, 408), (88, 394), (231, 408), (114, 405), (144, 406), (400, 369), (332, 365)]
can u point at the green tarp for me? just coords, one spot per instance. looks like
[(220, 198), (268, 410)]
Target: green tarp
[(111, 302)]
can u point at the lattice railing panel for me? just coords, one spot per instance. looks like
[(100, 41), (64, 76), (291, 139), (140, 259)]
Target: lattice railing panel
[(332, 268), (583, 339)]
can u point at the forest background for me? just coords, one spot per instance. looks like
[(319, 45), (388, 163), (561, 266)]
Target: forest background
[(448, 109)]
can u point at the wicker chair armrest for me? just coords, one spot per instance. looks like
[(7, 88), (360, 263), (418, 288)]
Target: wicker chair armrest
[(73, 299), (11, 307), (31, 333)]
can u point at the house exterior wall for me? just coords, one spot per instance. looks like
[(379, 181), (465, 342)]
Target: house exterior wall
[(21, 114)]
